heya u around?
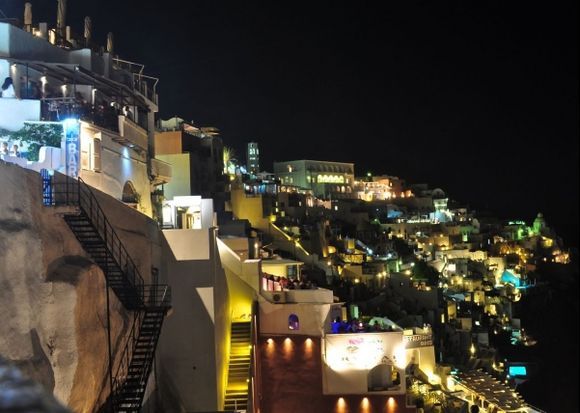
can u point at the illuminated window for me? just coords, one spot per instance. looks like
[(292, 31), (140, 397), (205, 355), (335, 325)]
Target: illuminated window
[(97, 155), (293, 322), (330, 179)]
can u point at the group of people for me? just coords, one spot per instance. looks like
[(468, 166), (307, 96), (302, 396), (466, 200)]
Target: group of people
[(29, 89), (355, 326), (5, 151), (276, 283)]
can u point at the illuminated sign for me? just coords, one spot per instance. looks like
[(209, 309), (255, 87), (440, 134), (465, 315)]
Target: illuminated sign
[(72, 132), (330, 179), (517, 371), (365, 363), (418, 340)]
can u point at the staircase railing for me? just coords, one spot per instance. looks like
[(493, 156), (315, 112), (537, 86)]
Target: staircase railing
[(121, 374), (253, 399), (61, 190), (156, 296), (75, 192)]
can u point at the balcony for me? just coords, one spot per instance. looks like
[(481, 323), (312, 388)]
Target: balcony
[(131, 134), (14, 112), (49, 158), (56, 91), (161, 172), (311, 296)]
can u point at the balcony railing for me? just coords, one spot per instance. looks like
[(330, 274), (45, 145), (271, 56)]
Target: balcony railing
[(146, 85), (59, 109), (15, 112)]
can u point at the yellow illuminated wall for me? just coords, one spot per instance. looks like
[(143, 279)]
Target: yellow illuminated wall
[(249, 208)]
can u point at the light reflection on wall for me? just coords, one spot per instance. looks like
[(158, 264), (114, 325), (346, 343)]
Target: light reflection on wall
[(270, 347), (308, 344), (288, 347), (391, 405), (126, 163), (365, 405), (341, 406)]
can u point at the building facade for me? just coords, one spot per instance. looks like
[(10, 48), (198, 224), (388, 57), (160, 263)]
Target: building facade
[(81, 112), (197, 162), (253, 158), (329, 180)]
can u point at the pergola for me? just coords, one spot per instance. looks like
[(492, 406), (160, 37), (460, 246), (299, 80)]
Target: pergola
[(481, 385)]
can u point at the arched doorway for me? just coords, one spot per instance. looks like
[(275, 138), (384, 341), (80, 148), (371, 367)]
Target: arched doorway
[(130, 194)]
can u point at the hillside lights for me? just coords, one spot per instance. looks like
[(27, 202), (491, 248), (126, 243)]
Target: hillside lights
[(472, 349), (450, 383)]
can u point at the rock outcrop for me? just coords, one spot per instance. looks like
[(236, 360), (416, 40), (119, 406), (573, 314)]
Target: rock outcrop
[(53, 297)]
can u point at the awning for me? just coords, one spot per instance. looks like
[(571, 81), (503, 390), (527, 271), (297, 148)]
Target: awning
[(74, 73)]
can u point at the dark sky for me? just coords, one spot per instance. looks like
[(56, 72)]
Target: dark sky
[(480, 99)]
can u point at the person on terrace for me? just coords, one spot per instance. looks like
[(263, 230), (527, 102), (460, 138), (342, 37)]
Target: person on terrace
[(15, 150), (8, 90)]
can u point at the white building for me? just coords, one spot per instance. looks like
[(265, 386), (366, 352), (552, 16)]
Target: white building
[(81, 112)]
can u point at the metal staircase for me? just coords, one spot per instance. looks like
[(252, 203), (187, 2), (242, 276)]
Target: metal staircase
[(120, 271), (149, 302), (239, 367), (130, 380)]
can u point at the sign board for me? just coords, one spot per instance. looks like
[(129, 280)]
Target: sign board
[(72, 133), (365, 363), (418, 340)]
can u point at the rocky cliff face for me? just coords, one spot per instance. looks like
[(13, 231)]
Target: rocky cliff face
[(53, 297)]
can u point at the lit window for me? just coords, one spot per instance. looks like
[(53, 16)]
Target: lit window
[(293, 322), (97, 155)]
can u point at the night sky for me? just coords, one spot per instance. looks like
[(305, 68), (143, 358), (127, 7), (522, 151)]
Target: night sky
[(480, 99)]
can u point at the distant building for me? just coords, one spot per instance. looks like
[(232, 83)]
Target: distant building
[(253, 158), (380, 188), (196, 159), (325, 179)]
